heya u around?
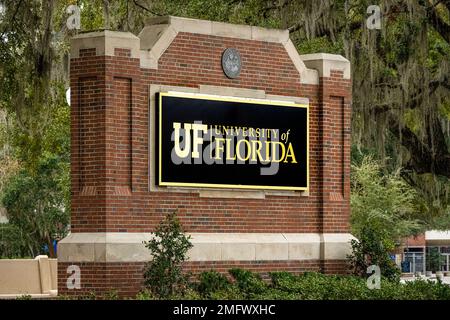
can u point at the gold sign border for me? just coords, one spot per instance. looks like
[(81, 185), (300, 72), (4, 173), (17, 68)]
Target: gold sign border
[(230, 99)]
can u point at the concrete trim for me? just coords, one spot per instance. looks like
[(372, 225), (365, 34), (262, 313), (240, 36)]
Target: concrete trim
[(437, 236), (325, 62), (44, 274), (221, 29), (333, 247), (307, 76), (105, 42), (128, 247), (213, 192), (159, 33)]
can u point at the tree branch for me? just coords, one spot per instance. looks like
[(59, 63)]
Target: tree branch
[(413, 101), (145, 8), (438, 23), (424, 158)]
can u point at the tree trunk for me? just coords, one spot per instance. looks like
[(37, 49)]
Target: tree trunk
[(51, 249)]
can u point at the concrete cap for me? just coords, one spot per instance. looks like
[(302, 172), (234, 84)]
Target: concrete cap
[(325, 62), (105, 42), (220, 29)]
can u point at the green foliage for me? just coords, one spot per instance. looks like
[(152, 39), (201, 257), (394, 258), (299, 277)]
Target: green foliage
[(91, 295), (36, 197), (382, 202), (384, 208), (434, 259), (145, 295), (309, 286), (111, 295), (92, 15), (36, 210), (14, 243), (373, 248), (163, 275), (316, 286), (320, 44), (211, 282), (249, 283), (239, 12)]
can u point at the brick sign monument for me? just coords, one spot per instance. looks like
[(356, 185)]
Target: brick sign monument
[(227, 125)]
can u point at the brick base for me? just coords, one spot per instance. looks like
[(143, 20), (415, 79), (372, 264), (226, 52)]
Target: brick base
[(127, 278)]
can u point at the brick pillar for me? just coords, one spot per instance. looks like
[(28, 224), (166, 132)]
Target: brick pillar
[(335, 140), (104, 73)]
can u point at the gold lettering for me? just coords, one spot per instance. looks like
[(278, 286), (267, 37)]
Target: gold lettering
[(228, 147), (219, 148), (197, 140), (256, 150), (275, 131), (257, 131), (247, 150), (275, 151), (251, 132), (290, 153), (187, 139), (244, 131)]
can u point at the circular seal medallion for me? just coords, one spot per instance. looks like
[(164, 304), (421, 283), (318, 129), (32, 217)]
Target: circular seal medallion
[(231, 63)]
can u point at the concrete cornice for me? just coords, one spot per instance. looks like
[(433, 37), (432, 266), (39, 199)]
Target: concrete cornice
[(159, 33), (105, 42), (128, 247), (221, 29), (325, 62)]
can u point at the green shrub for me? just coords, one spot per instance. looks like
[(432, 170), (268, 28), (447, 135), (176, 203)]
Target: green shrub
[(230, 293), (249, 283), (372, 248), (385, 209), (316, 286), (145, 295), (434, 259), (91, 295), (163, 275), (36, 210), (215, 286), (111, 295), (211, 282), (306, 286)]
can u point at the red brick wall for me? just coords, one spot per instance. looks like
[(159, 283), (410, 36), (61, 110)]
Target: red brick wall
[(127, 278), (110, 165), (418, 241), (334, 142)]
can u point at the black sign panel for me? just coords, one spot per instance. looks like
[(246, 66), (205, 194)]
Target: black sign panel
[(221, 142)]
